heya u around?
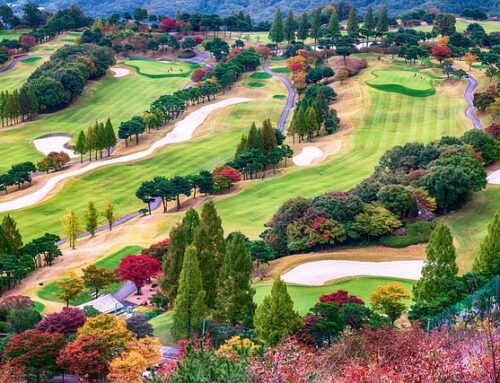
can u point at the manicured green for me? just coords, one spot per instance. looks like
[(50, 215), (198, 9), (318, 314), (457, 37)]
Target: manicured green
[(111, 262), (260, 75), (14, 34), (256, 84), (31, 60), (280, 97), (39, 306), (304, 297), (16, 77), (461, 25), (156, 69), (162, 325), (282, 69), (408, 83)]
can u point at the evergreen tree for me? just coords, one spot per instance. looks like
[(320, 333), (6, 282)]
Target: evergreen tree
[(189, 307), (382, 20), (91, 140), (241, 146), (172, 262), (268, 136), (333, 25), (234, 302), (440, 265), (102, 138), (190, 222), (10, 238), (254, 140), (81, 145), (312, 122), (28, 101), (322, 104), (276, 33), (488, 260), (275, 317), (289, 27), (213, 225), (303, 30), (110, 136), (91, 218), (206, 258), (352, 23), (316, 26), (369, 22)]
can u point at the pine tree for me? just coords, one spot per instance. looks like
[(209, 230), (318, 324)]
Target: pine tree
[(190, 222), (333, 25), (316, 26), (322, 104), (10, 237), (71, 227), (16, 105), (213, 225), (234, 302), (91, 141), (81, 145), (206, 258), (303, 30), (369, 22), (440, 266), (91, 218), (172, 262), (275, 317), (488, 260), (382, 20), (110, 136), (241, 146), (289, 27), (312, 122), (352, 23), (276, 33), (189, 307), (254, 140), (102, 138), (268, 136)]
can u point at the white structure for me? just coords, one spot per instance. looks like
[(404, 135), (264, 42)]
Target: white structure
[(106, 304)]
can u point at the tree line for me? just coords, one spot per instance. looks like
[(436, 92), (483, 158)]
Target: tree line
[(101, 136)]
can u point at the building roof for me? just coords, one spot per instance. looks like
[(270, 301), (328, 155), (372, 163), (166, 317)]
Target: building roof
[(105, 304)]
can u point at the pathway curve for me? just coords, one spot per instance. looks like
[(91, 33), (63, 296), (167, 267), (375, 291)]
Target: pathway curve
[(14, 62), (289, 100), (471, 86), (183, 131)]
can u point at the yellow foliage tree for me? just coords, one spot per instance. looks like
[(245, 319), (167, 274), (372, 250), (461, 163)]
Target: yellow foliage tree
[(127, 368), (71, 227), (389, 299), (443, 40), (148, 347), (110, 329), (470, 58), (237, 346), (69, 288)]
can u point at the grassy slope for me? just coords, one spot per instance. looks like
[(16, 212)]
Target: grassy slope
[(111, 262), (469, 225), (16, 77), (116, 98), (156, 69), (391, 119), (118, 183), (404, 82), (162, 324)]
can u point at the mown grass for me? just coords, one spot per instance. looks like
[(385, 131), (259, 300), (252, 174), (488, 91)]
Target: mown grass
[(305, 297), (110, 262), (17, 76), (162, 325), (156, 69), (255, 84), (14, 34), (283, 69), (462, 24), (260, 75), (280, 97), (408, 83)]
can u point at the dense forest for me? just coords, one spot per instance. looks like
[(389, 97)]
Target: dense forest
[(261, 9)]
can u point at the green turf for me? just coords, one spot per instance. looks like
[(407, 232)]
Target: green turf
[(13, 34), (256, 84), (110, 262), (30, 60), (479, 66), (283, 69), (162, 325), (469, 225), (260, 75), (280, 97), (39, 306), (461, 25), (408, 83), (16, 77), (305, 297), (156, 69)]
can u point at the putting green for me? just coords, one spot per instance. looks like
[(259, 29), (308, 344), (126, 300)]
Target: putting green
[(283, 69), (260, 75), (409, 83), (158, 69), (256, 84)]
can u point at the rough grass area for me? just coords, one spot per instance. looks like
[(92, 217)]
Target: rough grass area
[(280, 97), (111, 262), (418, 232), (282, 69), (260, 75), (156, 69), (256, 84), (408, 83), (305, 297)]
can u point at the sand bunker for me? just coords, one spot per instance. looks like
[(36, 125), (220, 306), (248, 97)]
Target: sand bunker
[(183, 131), (307, 156), (120, 72), (54, 144), (317, 273), (494, 178)]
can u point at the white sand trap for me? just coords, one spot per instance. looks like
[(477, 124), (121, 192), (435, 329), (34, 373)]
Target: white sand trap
[(54, 144), (307, 156), (494, 178), (317, 273), (165, 62), (183, 131), (120, 72)]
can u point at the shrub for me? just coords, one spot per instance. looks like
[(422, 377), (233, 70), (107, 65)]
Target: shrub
[(228, 172), (222, 184), (418, 232), (186, 54)]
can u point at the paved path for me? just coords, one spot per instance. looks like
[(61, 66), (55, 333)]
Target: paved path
[(14, 62), (290, 100), (494, 177), (469, 92)]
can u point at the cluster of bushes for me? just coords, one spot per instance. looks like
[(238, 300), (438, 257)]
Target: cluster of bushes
[(259, 149), (17, 260), (53, 161), (411, 183), (18, 175), (58, 81)]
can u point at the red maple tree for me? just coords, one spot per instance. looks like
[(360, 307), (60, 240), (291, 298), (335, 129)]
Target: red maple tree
[(137, 269), (340, 297), (441, 52)]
